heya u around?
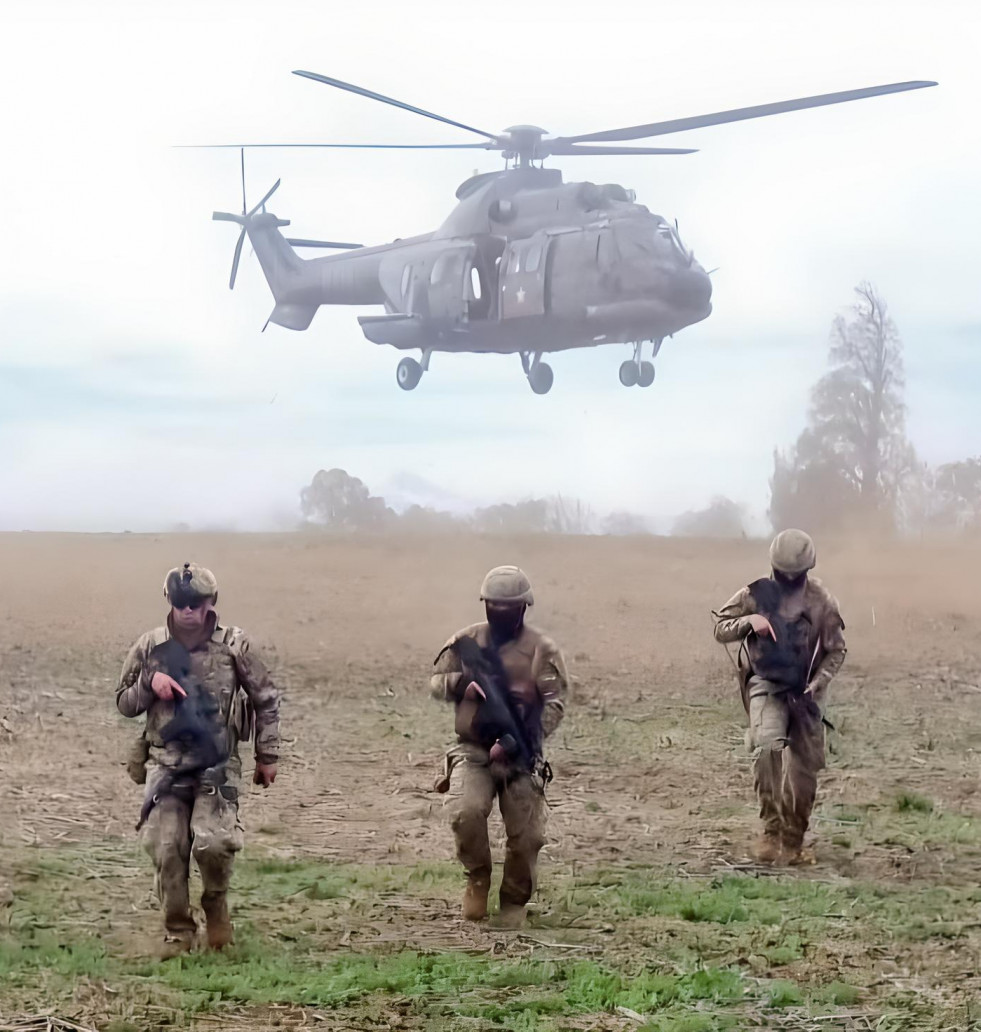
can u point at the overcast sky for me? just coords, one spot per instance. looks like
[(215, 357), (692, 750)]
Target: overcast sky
[(137, 391)]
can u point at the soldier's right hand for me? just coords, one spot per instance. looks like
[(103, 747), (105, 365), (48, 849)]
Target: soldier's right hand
[(474, 691), (762, 626), (165, 687)]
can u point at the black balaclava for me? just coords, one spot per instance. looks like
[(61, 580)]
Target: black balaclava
[(505, 624)]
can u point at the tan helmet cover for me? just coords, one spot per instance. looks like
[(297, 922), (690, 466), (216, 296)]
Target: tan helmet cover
[(507, 584), (792, 553), (190, 580)]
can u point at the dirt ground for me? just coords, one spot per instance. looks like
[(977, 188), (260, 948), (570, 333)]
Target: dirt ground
[(651, 770)]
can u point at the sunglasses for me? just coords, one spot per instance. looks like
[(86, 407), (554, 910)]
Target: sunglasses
[(180, 600)]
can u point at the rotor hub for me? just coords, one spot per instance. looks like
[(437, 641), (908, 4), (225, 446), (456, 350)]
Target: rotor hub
[(524, 142)]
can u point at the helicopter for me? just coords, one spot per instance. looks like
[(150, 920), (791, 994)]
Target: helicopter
[(525, 263)]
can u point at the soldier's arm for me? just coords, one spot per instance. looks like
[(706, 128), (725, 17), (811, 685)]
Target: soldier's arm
[(133, 693), (447, 675), (732, 620), (264, 696), (553, 685), (833, 642)]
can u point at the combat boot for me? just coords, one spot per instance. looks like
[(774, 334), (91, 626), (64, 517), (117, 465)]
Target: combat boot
[(219, 927), (767, 848), (175, 944), (475, 899), (511, 917), (802, 857)]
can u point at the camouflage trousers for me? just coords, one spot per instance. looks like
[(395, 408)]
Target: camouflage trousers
[(787, 737), (521, 799), (199, 821)]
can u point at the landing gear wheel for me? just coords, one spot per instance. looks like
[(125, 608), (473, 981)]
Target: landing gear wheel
[(628, 373), (541, 378), (408, 374), (646, 375)]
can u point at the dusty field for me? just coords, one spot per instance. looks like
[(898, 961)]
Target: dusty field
[(346, 895)]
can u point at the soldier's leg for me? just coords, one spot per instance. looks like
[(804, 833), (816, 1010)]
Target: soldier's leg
[(768, 729), (217, 835), (523, 810), (804, 758), (471, 806), (167, 838)]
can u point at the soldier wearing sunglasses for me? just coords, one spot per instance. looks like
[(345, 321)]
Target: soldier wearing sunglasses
[(194, 815)]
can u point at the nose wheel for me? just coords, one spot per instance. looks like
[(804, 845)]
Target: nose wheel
[(637, 373)]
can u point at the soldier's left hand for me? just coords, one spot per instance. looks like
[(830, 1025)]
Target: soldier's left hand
[(498, 753), (265, 774)]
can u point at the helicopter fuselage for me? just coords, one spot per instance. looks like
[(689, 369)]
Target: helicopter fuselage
[(524, 264)]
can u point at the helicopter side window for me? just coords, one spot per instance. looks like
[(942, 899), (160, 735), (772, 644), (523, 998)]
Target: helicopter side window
[(534, 259), (514, 263), (406, 273), (475, 292)]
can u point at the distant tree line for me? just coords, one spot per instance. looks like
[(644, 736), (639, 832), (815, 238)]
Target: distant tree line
[(337, 501)]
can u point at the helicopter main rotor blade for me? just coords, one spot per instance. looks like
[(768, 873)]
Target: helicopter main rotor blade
[(677, 125), (566, 149), (235, 258), (346, 146), (391, 100), (332, 244)]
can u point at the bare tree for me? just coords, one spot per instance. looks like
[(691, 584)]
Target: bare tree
[(569, 516), (852, 461)]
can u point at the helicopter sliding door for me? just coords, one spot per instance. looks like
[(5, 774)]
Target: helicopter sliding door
[(523, 280), (449, 284)]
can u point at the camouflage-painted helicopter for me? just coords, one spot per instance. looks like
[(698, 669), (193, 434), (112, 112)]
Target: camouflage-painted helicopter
[(525, 264)]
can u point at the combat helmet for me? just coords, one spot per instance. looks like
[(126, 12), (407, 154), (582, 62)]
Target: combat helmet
[(190, 585), (792, 553), (507, 584)]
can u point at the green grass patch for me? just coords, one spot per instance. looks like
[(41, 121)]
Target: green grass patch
[(907, 802), (677, 951)]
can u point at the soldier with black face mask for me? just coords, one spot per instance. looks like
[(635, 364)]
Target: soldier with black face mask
[(792, 645), (536, 688)]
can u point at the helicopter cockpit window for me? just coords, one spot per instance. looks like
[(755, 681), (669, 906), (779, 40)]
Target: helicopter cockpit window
[(534, 259), (668, 232)]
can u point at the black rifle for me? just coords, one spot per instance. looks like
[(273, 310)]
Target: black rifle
[(195, 725), (497, 718)]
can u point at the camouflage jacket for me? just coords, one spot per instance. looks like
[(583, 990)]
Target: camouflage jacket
[(537, 680), (229, 670), (826, 643)]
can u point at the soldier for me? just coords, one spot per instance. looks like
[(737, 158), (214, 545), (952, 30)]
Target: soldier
[(537, 685), (792, 646), (191, 816)]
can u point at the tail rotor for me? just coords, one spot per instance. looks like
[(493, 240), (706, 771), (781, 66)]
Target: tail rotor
[(243, 220)]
